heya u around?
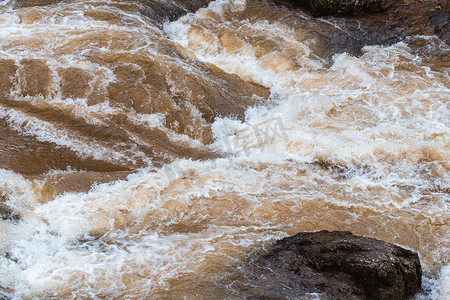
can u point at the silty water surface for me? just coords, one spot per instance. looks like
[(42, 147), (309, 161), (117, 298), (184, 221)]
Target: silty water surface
[(150, 157)]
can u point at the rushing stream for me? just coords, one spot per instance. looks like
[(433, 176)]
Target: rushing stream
[(149, 157)]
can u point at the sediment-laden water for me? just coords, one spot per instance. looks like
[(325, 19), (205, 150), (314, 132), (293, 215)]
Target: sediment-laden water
[(149, 155)]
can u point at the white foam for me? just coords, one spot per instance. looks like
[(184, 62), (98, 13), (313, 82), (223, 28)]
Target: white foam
[(356, 86), (445, 283), (18, 191), (386, 128), (47, 260), (436, 287)]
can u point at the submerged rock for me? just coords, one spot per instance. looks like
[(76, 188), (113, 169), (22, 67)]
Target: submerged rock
[(338, 265), (7, 213)]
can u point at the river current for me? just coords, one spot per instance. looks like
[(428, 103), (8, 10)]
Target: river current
[(150, 156)]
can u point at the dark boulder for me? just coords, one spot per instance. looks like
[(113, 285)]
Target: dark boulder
[(338, 265), (341, 7), (382, 21), (439, 22), (410, 17), (166, 11)]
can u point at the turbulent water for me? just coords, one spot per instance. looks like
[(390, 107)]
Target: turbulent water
[(150, 156)]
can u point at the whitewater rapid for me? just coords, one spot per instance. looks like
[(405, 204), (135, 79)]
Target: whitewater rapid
[(173, 151)]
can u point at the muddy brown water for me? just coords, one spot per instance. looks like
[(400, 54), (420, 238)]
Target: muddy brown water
[(151, 155)]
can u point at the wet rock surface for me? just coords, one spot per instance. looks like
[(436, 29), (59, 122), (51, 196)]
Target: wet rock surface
[(170, 10), (337, 265), (384, 21), (341, 7), (410, 17)]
